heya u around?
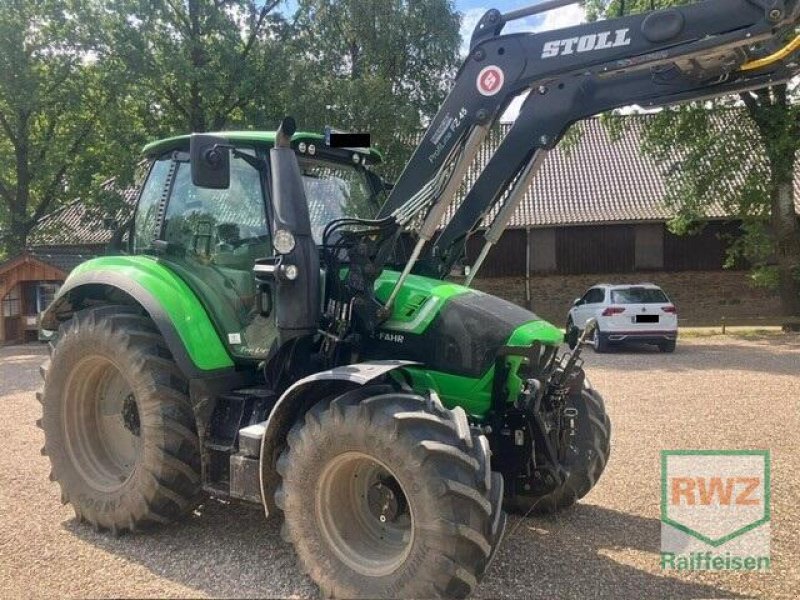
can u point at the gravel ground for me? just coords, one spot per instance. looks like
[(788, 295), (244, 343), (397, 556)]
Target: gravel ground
[(718, 392)]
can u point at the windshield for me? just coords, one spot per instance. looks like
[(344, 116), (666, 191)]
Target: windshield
[(638, 296), (335, 191)]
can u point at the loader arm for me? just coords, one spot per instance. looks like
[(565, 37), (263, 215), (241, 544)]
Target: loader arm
[(680, 54), (545, 117)]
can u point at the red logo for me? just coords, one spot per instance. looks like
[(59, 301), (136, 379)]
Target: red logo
[(490, 80)]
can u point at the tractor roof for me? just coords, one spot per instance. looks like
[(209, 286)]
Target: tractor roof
[(264, 139)]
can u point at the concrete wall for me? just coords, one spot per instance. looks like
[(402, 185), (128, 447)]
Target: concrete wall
[(702, 297)]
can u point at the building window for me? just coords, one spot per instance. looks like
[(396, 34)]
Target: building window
[(12, 307)]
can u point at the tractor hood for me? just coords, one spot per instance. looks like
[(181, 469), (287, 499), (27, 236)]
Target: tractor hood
[(451, 328)]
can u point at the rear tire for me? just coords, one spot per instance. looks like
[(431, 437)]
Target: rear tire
[(600, 342), (586, 459), (667, 347), (119, 429), (373, 453)]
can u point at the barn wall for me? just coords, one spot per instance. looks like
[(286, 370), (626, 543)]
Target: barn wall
[(506, 259), (702, 297), (612, 248)]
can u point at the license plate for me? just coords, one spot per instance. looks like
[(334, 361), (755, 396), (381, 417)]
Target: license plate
[(647, 318)]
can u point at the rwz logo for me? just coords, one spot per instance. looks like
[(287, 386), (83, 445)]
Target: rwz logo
[(587, 43), (715, 510)]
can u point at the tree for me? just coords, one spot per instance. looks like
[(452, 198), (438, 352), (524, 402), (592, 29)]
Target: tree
[(53, 96), (201, 64), (741, 151), (383, 66)]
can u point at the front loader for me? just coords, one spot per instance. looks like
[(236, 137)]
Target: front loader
[(278, 335)]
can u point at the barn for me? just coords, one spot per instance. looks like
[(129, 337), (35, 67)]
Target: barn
[(596, 214)]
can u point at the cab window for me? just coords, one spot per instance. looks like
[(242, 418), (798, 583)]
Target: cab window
[(144, 228), (335, 191), (228, 227), (213, 239)]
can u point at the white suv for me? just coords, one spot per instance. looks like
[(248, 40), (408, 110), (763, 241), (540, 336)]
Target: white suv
[(627, 313)]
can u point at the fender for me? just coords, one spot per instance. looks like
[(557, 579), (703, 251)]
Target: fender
[(173, 306), (296, 400)]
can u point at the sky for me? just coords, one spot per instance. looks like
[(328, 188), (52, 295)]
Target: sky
[(472, 11)]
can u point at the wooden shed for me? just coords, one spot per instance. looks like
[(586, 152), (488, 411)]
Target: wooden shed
[(27, 285)]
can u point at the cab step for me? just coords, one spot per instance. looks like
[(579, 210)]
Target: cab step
[(233, 444)]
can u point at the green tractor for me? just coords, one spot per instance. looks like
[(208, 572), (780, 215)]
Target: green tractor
[(282, 329)]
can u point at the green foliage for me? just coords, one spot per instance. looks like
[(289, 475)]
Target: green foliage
[(596, 9), (54, 91), (383, 66), (200, 64), (738, 153), (85, 83)]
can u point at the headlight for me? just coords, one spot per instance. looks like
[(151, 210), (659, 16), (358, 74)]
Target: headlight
[(283, 242)]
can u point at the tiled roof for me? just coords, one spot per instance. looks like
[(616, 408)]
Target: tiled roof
[(599, 180), (76, 224), (66, 258)]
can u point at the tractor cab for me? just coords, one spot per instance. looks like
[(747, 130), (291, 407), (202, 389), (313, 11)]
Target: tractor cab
[(213, 237)]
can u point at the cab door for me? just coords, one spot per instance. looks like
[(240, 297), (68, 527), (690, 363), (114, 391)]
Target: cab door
[(211, 239)]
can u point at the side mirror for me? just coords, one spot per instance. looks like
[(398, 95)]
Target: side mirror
[(576, 302), (211, 161)]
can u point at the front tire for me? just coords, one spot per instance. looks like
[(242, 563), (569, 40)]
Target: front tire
[(586, 458), (387, 494), (118, 426)]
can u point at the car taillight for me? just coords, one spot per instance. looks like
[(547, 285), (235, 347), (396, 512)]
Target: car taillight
[(613, 310), (669, 309)]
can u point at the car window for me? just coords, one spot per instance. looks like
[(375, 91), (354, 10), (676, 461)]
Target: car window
[(638, 295), (594, 296)]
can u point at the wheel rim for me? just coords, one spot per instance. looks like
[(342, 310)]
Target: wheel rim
[(102, 424), (364, 514), (595, 339)]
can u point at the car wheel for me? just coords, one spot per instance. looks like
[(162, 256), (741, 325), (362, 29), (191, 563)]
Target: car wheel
[(599, 341), (667, 347)]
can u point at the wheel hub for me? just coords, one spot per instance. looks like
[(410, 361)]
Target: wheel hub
[(385, 500), (130, 415), (102, 424), (363, 514)]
